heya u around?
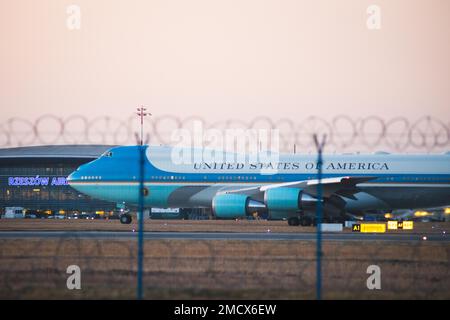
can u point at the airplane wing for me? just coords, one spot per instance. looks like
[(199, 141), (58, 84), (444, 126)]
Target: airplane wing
[(342, 186)]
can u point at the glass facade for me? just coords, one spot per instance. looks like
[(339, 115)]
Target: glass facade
[(39, 184)]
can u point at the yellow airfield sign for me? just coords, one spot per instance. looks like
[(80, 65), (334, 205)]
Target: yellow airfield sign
[(392, 225), (408, 225), (373, 227), (405, 225), (369, 228)]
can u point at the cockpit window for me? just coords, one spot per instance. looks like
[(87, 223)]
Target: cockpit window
[(108, 154)]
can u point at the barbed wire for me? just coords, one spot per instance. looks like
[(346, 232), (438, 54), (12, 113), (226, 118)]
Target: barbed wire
[(372, 133), (36, 268)]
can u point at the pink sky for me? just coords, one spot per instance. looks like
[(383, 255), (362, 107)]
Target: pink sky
[(226, 59)]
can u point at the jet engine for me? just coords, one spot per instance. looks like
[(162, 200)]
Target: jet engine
[(231, 206), (288, 199)]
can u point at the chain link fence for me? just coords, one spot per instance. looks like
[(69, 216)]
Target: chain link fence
[(344, 133), (222, 269)]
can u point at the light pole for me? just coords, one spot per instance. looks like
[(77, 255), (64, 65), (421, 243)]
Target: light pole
[(141, 113)]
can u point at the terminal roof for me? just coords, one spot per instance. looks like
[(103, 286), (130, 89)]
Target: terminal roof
[(55, 151)]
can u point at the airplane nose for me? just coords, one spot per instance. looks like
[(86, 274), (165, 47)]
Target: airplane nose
[(76, 176), (77, 179), (73, 177)]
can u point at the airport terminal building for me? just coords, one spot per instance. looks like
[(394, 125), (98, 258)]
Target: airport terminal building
[(34, 178)]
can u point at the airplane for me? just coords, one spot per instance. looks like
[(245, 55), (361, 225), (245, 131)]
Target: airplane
[(283, 189)]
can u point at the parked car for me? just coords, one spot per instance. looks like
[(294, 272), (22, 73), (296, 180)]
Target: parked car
[(72, 216), (86, 216)]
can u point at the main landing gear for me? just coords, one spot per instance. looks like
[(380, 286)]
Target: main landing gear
[(125, 218), (293, 221), (303, 221), (306, 221)]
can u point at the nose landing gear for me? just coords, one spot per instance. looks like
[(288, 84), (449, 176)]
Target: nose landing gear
[(125, 218)]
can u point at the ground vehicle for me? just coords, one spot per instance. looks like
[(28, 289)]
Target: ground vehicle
[(14, 212), (33, 214), (73, 216), (168, 213), (86, 216)]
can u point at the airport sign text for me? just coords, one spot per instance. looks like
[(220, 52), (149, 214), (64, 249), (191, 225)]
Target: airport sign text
[(37, 181), (402, 225)]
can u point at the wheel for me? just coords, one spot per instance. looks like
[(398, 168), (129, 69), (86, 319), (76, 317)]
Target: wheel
[(306, 221), (125, 218), (293, 221)]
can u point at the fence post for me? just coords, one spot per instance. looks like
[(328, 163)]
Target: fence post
[(319, 147), (140, 217)]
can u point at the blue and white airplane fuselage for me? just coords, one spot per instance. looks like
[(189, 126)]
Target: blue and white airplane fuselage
[(284, 188)]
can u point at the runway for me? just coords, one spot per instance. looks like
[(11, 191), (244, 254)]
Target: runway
[(256, 236)]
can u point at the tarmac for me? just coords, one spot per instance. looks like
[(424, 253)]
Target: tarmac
[(254, 236)]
